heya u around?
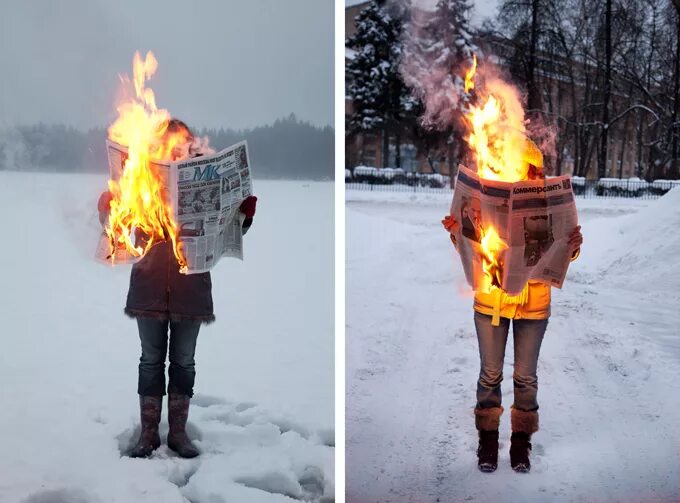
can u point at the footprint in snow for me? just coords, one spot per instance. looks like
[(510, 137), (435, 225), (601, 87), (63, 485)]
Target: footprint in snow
[(307, 487), (206, 400), (60, 496)]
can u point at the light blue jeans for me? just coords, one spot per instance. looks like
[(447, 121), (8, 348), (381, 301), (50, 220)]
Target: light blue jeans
[(527, 336)]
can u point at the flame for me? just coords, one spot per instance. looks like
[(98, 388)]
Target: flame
[(497, 132), (501, 151), (492, 245), (139, 199), (469, 75)]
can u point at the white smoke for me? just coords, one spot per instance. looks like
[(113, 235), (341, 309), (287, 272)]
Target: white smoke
[(434, 62)]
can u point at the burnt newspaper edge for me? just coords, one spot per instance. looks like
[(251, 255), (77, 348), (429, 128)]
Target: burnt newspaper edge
[(116, 155), (205, 193), (534, 218)]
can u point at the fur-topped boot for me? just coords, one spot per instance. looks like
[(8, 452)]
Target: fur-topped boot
[(524, 424), (487, 422)]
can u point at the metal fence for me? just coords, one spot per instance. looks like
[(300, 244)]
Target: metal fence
[(608, 188)]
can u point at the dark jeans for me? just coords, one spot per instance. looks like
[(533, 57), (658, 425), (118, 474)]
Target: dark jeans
[(154, 336), (527, 335)]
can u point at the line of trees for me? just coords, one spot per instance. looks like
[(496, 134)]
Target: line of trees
[(603, 74), (287, 149)]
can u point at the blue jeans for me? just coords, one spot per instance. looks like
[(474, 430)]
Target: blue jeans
[(527, 335), (153, 334)]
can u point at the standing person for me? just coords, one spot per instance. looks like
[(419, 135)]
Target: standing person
[(528, 312), (162, 299)]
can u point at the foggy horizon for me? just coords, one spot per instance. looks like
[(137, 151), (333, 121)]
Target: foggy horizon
[(71, 54)]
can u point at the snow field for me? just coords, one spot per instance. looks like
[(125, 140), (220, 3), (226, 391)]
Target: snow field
[(263, 413), (608, 369)]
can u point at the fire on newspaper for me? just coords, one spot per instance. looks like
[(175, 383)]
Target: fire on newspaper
[(514, 223), (161, 194), (511, 233)]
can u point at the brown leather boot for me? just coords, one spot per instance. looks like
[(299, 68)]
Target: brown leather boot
[(150, 411), (524, 424), (178, 413), (487, 422)]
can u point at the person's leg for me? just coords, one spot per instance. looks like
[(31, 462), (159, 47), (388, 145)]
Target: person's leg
[(492, 342), (153, 334), (183, 335), (151, 383), (528, 336), (488, 411)]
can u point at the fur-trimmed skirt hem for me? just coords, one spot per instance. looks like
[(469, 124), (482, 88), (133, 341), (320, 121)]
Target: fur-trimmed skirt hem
[(158, 315)]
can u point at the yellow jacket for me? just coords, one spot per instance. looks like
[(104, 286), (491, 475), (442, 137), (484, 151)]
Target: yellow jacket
[(533, 303)]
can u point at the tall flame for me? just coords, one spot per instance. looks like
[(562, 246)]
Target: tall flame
[(139, 199), (497, 133), (502, 152)]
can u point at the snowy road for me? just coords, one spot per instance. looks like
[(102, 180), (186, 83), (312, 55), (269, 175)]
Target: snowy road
[(608, 371), (264, 410)]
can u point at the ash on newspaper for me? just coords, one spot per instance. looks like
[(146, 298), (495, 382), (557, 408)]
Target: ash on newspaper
[(205, 193), (534, 219)]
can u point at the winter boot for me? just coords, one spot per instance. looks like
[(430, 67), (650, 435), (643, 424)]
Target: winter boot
[(178, 413), (149, 440), (487, 422), (524, 424)]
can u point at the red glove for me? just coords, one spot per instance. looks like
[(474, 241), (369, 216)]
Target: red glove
[(104, 206), (248, 206), (104, 203)]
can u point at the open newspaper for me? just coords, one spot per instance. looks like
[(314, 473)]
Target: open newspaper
[(205, 193), (534, 218)]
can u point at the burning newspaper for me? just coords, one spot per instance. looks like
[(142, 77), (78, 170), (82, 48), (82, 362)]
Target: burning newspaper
[(531, 221), (205, 194)]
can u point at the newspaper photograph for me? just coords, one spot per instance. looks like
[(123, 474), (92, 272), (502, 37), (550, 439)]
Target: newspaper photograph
[(205, 194), (532, 218)]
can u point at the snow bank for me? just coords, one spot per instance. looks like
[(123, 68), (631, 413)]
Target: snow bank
[(263, 413), (638, 250)]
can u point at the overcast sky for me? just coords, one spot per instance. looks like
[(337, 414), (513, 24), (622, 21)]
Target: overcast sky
[(262, 59)]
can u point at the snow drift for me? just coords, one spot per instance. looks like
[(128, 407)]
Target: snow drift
[(263, 411)]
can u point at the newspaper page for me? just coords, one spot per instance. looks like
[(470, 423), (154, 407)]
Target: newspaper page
[(205, 193), (534, 218), (209, 191)]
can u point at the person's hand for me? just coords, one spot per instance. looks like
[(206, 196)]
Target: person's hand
[(248, 206), (575, 239), (104, 206), (451, 224)]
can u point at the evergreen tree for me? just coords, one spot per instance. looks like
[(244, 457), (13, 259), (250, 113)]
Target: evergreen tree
[(438, 51), (380, 99)]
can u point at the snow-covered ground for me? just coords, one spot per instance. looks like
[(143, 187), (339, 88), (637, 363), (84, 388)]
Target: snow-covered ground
[(263, 413), (608, 372)]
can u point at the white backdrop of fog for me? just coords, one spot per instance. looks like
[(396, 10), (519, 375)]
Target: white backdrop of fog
[(482, 8), (265, 59)]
